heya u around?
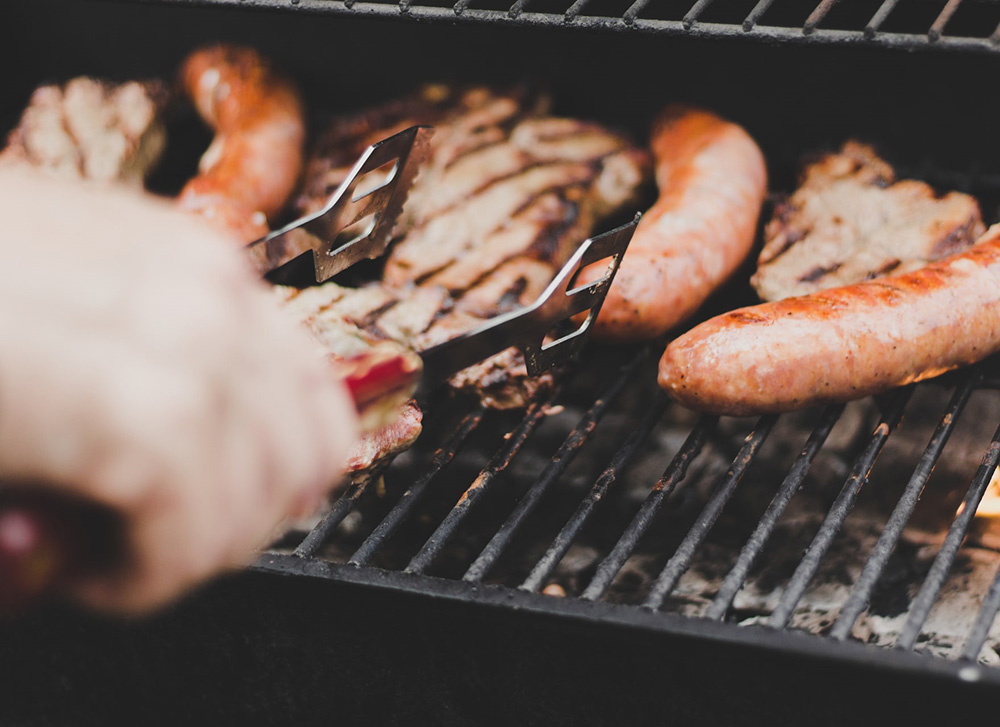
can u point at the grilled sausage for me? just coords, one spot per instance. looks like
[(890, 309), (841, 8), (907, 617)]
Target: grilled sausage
[(712, 181), (254, 162), (843, 343)]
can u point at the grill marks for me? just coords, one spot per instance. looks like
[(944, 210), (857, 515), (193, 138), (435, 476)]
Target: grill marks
[(850, 221), (535, 194), (504, 198)]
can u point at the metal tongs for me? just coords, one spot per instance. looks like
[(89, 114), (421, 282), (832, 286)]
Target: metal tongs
[(374, 206), (57, 538)]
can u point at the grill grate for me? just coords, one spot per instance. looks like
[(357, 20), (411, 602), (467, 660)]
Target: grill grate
[(972, 25), (324, 551)]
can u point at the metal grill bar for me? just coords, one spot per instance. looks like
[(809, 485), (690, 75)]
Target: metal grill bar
[(817, 15), (575, 15), (560, 461), (879, 17), (517, 8), (673, 474), (575, 9), (758, 539), (547, 563), (319, 534), (633, 11), (680, 560), (861, 593), (945, 559), (838, 512), (937, 29), (499, 462), (412, 496), (692, 15), (984, 620), (758, 10)]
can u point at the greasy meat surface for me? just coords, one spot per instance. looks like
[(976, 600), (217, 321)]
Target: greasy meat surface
[(337, 318), (91, 129), (850, 221), (502, 183), (504, 198)]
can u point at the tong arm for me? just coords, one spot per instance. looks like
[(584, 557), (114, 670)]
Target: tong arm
[(350, 204), (528, 327)]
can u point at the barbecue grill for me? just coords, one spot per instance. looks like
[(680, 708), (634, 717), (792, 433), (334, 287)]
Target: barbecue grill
[(603, 557)]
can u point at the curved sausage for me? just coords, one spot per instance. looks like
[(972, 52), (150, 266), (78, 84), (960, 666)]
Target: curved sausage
[(844, 343), (253, 164), (712, 181)]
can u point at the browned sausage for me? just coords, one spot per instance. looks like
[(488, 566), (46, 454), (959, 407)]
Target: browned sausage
[(843, 343), (712, 181), (248, 173)]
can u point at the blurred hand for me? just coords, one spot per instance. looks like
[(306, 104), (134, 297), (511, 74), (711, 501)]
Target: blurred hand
[(144, 367)]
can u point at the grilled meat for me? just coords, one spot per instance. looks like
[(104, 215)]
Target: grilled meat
[(844, 343), (850, 221), (338, 318), (712, 181), (91, 129), (505, 197)]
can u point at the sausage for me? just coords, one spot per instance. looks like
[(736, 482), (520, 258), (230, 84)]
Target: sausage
[(712, 181), (253, 164), (843, 343)]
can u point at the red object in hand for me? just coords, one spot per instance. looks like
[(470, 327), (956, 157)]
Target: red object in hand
[(46, 539), (30, 557), (380, 380)]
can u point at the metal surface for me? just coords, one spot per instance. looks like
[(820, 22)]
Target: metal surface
[(768, 20), (372, 194), (529, 328), (423, 571)]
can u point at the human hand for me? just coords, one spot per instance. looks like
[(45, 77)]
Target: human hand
[(144, 368)]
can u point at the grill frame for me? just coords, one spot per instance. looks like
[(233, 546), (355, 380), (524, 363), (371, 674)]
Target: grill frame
[(687, 24)]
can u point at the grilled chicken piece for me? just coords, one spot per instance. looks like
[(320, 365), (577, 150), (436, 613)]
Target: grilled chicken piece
[(851, 221), (91, 129)]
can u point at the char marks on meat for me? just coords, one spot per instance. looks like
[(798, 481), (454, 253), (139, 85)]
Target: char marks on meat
[(850, 221), (91, 129), (503, 199)]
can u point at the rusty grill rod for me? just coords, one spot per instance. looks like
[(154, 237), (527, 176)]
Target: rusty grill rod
[(560, 461), (547, 563), (984, 620), (319, 534), (575, 9), (817, 15), (672, 475), (681, 559), (765, 526), (937, 29), (758, 10), (633, 11), (945, 559), (517, 8), (691, 16), (858, 599), (497, 464), (403, 508), (879, 17), (838, 512)]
